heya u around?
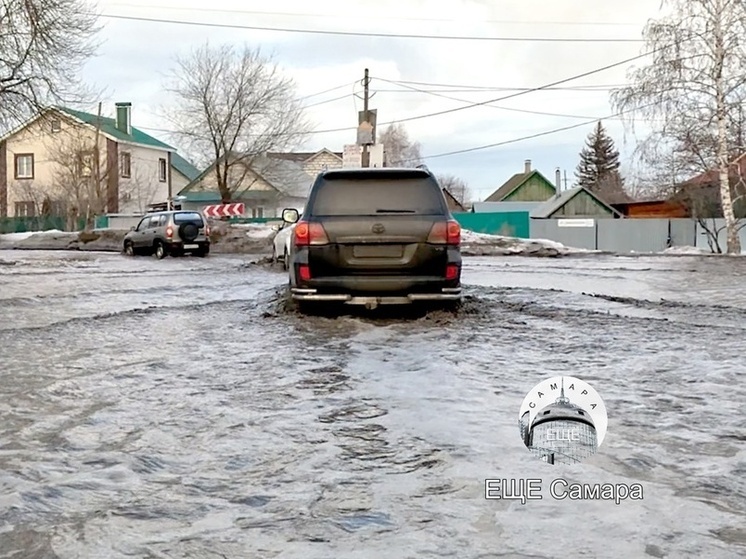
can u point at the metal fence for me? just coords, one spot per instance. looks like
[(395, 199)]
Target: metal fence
[(509, 224), (629, 235), (38, 223)]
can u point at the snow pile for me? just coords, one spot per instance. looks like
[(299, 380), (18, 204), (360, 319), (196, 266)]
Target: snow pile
[(15, 237), (686, 250), (482, 244), (259, 231)]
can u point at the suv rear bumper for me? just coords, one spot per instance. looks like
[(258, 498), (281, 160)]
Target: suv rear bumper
[(305, 294)]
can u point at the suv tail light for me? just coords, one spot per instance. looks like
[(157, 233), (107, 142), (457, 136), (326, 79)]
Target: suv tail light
[(207, 230), (451, 272), (445, 233), (309, 233), (169, 231)]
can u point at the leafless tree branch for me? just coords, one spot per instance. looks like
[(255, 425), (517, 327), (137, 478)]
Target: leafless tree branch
[(43, 45), (232, 106)]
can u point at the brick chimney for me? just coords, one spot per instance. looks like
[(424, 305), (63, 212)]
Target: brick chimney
[(124, 117), (527, 168)]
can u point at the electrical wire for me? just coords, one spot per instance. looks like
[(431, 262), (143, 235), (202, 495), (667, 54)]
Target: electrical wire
[(345, 96), (371, 17), (462, 87), (487, 102), (327, 91), (435, 94), (370, 34), (517, 94), (524, 138)]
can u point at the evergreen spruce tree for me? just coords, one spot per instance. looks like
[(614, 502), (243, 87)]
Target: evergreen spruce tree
[(598, 170)]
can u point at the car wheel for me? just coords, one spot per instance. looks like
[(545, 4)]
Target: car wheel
[(202, 252), (160, 250), (129, 249)]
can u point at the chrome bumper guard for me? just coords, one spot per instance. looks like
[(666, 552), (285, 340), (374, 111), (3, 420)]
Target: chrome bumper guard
[(446, 294)]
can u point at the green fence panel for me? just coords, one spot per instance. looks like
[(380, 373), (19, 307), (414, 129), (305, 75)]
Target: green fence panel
[(102, 221), (38, 223), (508, 224), (253, 219)]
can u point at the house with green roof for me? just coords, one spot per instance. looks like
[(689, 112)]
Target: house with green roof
[(70, 162), (528, 186)]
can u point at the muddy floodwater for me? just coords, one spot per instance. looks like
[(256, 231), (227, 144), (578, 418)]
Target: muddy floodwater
[(178, 409)]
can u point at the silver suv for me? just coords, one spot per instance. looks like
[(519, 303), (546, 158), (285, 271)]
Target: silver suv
[(172, 232)]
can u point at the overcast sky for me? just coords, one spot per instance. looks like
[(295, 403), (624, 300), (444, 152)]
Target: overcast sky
[(136, 56)]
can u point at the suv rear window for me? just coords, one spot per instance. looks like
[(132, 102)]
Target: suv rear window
[(376, 196), (181, 217)]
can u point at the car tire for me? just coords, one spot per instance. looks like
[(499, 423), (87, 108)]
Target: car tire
[(160, 251), (202, 252), (129, 249)]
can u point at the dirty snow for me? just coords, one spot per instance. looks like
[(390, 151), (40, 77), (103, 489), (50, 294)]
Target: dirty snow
[(14, 237), (686, 250)]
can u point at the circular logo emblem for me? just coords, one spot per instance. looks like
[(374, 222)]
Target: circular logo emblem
[(563, 420), (378, 228)]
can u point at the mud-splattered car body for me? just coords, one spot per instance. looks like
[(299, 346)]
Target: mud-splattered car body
[(375, 236)]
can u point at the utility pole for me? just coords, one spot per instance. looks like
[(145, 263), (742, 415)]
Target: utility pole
[(96, 169), (366, 113)]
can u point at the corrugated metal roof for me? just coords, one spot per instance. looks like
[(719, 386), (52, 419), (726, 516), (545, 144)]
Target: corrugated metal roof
[(550, 207)]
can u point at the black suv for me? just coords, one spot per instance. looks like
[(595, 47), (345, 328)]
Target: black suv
[(375, 236), (171, 232)]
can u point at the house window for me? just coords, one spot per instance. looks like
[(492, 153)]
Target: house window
[(25, 209), (56, 125), (24, 165), (257, 212), (125, 164), (85, 164), (162, 170)]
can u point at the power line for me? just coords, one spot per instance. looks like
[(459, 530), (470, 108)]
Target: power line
[(416, 90), (596, 87), (489, 101), (348, 84), (530, 137), (512, 95), (372, 34), (345, 96), (371, 17), (496, 89)]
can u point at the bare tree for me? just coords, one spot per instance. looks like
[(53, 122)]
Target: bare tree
[(457, 187), (399, 150), (43, 45), (693, 89), (232, 107), (80, 184)]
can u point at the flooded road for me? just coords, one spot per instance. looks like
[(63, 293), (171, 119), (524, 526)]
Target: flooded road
[(174, 409)]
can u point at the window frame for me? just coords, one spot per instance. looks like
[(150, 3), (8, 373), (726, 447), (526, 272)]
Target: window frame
[(16, 160), (25, 204), (125, 171), (162, 169)]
